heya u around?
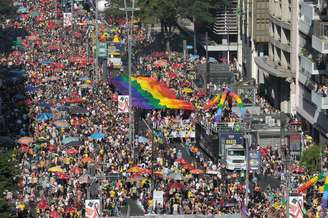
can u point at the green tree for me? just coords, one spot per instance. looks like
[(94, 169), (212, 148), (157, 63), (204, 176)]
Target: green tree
[(203, 11), (7, 173), (6, 8), (311, 158)]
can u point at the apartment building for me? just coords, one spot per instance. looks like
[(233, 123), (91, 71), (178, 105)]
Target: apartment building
[(313, 71), (277, 71)]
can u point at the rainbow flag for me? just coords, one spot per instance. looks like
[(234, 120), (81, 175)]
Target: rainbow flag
[(211, 103), (148, 93)]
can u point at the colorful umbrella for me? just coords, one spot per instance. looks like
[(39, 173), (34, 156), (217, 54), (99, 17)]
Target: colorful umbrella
[(44, 117), (56, 169), (196, 171), (43, 204), (181, 161), (70, 139), (62, 176), (97, 136), (135, 169), (72, 151), (87, 160), (25, 140), (61, 124)]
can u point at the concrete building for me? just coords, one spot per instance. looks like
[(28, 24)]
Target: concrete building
[(254, 34), (225, 32), (313, 71), (278, 70)]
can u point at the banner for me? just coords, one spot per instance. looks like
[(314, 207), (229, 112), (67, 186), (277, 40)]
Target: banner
[(102, 49), (92, 208), (158, 198), (68, 18), (123, 104), (296, 207), (254, 160)]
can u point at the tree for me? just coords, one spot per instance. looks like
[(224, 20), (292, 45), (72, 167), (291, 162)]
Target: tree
[(6, 8), (8, 172), (202, 11), (311, 158)]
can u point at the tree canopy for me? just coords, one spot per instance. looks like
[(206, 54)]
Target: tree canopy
[(167, 12)]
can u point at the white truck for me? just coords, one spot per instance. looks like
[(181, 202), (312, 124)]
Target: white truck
[(232, 151)]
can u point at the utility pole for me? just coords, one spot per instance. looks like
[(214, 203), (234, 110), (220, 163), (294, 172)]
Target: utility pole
[(195, 39), (207, 65), (130, 39), (97, 43)]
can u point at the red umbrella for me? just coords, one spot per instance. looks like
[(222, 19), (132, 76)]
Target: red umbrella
[(76, 170), (53, 47), (62, 176), (72, 151), (187, 166), (172, 75), (176, 66), (40, 19), (43, 204), (145, 171), (58, 65), (181, 161), (54, 214), (176, 185), (73, 100), (52, 148), (16, 53), (78, 34), (24, 148), (70, 209), (52, 24)]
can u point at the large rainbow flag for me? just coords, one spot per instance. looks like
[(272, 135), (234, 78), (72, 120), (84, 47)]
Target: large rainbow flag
[(148, 93)]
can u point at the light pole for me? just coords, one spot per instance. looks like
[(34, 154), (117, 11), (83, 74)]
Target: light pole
[(130, 39)]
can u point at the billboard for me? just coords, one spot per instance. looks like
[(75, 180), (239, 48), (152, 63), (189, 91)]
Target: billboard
[(232, 138)]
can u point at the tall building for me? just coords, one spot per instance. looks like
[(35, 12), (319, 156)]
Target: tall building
[(254, 34), (277, 71), (313, 71), (225, 32)]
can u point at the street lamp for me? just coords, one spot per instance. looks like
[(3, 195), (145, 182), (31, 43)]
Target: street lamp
[(101, 6), (130, 37)]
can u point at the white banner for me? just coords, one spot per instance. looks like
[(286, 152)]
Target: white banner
[(123, 104), (158, 197), (296, 207), (68, 18), (92, 208)]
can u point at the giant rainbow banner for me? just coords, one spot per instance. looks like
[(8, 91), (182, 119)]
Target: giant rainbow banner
[(148, 93)]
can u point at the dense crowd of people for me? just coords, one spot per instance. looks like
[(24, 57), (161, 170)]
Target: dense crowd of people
[(67, 121)]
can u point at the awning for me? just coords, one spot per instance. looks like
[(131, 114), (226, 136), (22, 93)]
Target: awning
[(269, 66)]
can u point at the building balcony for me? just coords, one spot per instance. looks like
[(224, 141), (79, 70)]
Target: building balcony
[(308, 65), (305, 26), (320, 36), (271, 67), (303, 77), (279, 22), (279, 44), (319, 100)]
